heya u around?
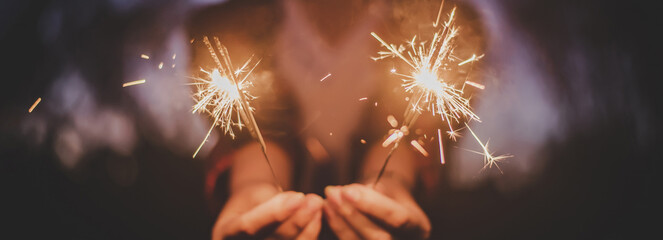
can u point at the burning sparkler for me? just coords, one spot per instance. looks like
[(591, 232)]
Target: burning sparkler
[(223, 94), (431, 80)]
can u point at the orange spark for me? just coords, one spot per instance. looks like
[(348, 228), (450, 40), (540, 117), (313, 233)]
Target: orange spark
[(419, 148), (328, 75), (476, 85), (439, 140), (34, 105), (132, 83)]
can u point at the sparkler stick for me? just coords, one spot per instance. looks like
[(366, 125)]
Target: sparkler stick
[(225, 92), (432, 64)]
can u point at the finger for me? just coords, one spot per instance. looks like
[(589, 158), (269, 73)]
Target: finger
[(383, 208), (275, 210), (362, 225), (249, 197), (312, 230), (342, 230), (302, 217)]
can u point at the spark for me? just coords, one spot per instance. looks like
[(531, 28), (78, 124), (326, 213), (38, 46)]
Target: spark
[(474, 57), (173, 66), (174, 56), (362, 141), (34, 105), (160, 65), (192, 40), (132, 83), (476, 85), (143, 56), (363, 99), (439, 14), (439, 140), (328, 75), (419, 148), (224, 95), (396, 136), (454, 134), (488, 159), (392, 121)]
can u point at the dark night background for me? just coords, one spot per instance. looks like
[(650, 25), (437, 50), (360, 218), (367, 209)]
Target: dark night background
[(599, 181)]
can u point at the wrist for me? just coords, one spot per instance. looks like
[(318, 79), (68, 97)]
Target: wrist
[(259, 189)]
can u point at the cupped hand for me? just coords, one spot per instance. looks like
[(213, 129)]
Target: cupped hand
[(261, 212), (359, 211)]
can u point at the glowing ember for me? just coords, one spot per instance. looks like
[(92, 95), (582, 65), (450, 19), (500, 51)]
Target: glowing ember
[(392, 121), (132, 83), (476, 85), (34, 105), (439, 140), (419, 148), (328, 75)]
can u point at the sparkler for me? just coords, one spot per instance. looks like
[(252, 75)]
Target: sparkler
[(430, 81), (224, 95)]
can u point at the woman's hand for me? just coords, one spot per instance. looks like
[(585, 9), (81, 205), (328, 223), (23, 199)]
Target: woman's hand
[(261, 212), (358, 211)]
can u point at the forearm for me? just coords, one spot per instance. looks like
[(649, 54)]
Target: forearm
[(401, 167), (250, 168)]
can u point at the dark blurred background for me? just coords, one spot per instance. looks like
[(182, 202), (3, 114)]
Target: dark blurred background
[(98, 161)]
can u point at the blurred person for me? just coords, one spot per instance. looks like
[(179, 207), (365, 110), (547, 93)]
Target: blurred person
[(308, 106)]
